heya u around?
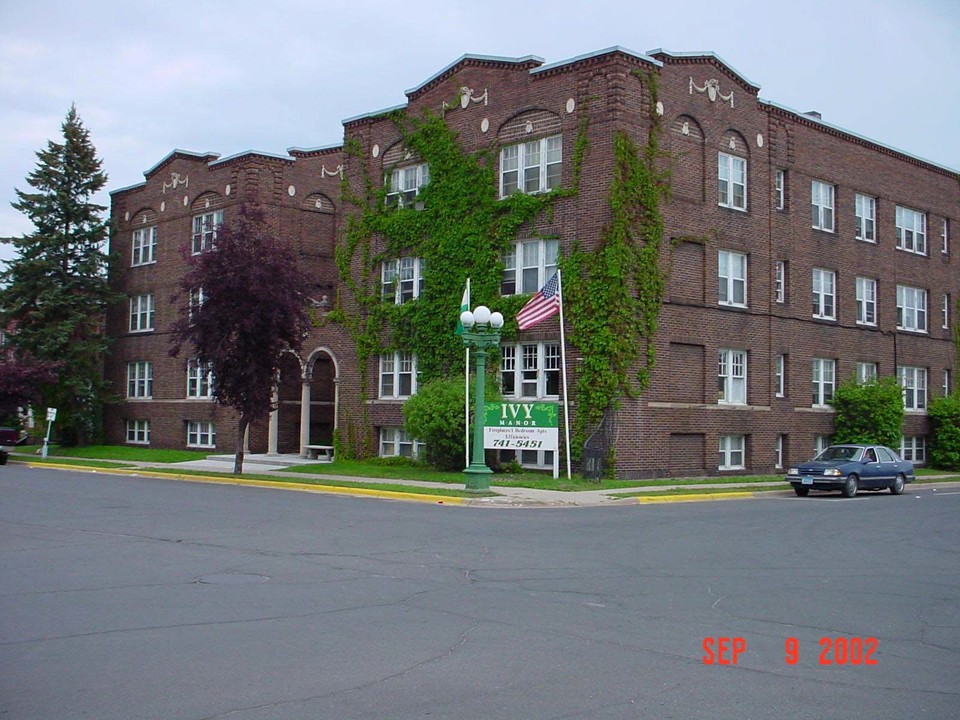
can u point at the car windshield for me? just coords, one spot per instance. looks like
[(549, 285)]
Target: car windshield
[(839, 452)]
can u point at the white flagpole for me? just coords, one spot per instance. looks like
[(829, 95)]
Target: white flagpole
[(466, 386), (563, 367)]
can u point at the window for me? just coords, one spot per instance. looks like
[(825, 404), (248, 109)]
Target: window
[(537, 264), (911, 231), (199, 380), (732, 185), (205, 230), (914, 448), (780, 189), (780, 376), (946, 312), (195, 301), (732, 377), (402, 279), (144, 250), (201, 434), (821, 443), (866, 301), (821, 197), (913, 380), (138, 432), (141, 313), (946, 382), (540, 459), (780, 282), (733, 278), (731, 452), (866, 372), (866, 208), (530, 370), (139, 380), (778, 451), (396, 442), (823, 381), (824, 294), (945, 237), (541, 164), (404, 184), (398, 375), (911, 308)]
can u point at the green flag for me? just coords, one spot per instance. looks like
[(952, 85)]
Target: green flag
[(464, 305)]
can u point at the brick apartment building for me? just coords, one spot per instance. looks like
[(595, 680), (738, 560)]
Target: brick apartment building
[(796, 255)]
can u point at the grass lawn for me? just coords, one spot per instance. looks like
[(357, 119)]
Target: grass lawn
[(127, 453)]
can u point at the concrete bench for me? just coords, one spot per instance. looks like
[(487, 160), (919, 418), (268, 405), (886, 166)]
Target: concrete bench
[(323, 453)]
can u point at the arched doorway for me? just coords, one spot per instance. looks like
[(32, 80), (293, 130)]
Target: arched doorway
[(307, 402)]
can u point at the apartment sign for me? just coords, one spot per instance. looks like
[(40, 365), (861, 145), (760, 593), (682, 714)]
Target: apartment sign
[(521, 426)]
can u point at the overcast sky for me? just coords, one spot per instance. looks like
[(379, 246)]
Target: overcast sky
[(266, 75)]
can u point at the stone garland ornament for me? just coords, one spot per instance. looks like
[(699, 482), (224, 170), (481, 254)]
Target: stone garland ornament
[(712, 89), (176, 180), (338, 170), (467, 96)]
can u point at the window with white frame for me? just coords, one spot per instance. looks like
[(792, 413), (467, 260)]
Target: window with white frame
[(866, 372), (824, 372), (945, 237), (528, 265), (530, 370), (780, 282), (824, 294), (946, 382), (946, 311), (914, 449), (141, 313), (402, 278), (144, 248), (821, 198), (911, 230), (531, 167), (539, 459), (404, 184), (201, 434), (732, 274), (913, 380), (398, 375), (140, 380), (780, 376), (780, 189), (732, 377), (778, 448), (732, 181), (199, 379), (138, 432), (911, 308), (731, 452), (397, 442), (866, 301), (195, 301), (821, 443), (866, 210), (205, 230)]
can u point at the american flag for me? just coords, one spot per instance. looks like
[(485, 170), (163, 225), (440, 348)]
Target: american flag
[(542, 305)]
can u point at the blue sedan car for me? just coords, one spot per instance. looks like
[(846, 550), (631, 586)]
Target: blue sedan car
[(849, 468)]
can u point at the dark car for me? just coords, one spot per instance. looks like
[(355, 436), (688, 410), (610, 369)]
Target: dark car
[(849, 468), (8, 440)]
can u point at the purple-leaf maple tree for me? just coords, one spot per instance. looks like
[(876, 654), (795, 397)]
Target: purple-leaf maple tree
[(22, 379), (247, 300)]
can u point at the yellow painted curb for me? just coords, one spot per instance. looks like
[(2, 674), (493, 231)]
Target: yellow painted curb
[(695, 497), (276, 485)]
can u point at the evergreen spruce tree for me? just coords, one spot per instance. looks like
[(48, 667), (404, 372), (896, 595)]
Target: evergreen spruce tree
[(56, 289)]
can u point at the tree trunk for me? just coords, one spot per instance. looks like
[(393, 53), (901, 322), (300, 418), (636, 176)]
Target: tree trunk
[(242, 425)]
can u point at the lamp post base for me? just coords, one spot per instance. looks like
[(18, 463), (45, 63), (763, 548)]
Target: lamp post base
[(478, 478)]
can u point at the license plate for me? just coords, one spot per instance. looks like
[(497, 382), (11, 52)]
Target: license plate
[(806, 480)]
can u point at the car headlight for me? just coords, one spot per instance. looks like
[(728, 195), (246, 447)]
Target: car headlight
[(793, 471), (834, 472)]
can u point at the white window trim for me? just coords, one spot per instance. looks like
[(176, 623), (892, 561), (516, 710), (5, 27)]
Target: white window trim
[(727, 181), (140, 380), (823, 200), (399, 192), (914, 379), (730, 446), (863, 376), (513, 266), (524, 149), (821, 294), (780, 282), (780, 189), (821, 368), (144, 244), (866, 300), (205, 227), (729, 282), (201, 434), (945, 386), (512, 357), (142, 313), (945, 237), (780, 376), (866, 214), (912, 446), (390, 278), (946, 312), (821, 443), (907, 220), (778, 452), (732, 376), (391, 365), (137, 432), (912, 303), (395, 438), (199, 377)]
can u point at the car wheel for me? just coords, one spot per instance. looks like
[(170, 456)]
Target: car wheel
[(898, 483), (801, 491), (850, 486)]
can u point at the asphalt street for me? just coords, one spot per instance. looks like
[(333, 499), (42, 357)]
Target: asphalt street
[(138, 597)]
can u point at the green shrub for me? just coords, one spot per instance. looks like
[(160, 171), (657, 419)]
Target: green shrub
[(871, 412), (944, 414)]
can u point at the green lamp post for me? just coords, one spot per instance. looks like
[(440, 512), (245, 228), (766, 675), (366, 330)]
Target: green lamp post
[(481, 334)]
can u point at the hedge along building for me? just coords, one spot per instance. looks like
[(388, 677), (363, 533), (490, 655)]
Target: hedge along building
[(726, 262)]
